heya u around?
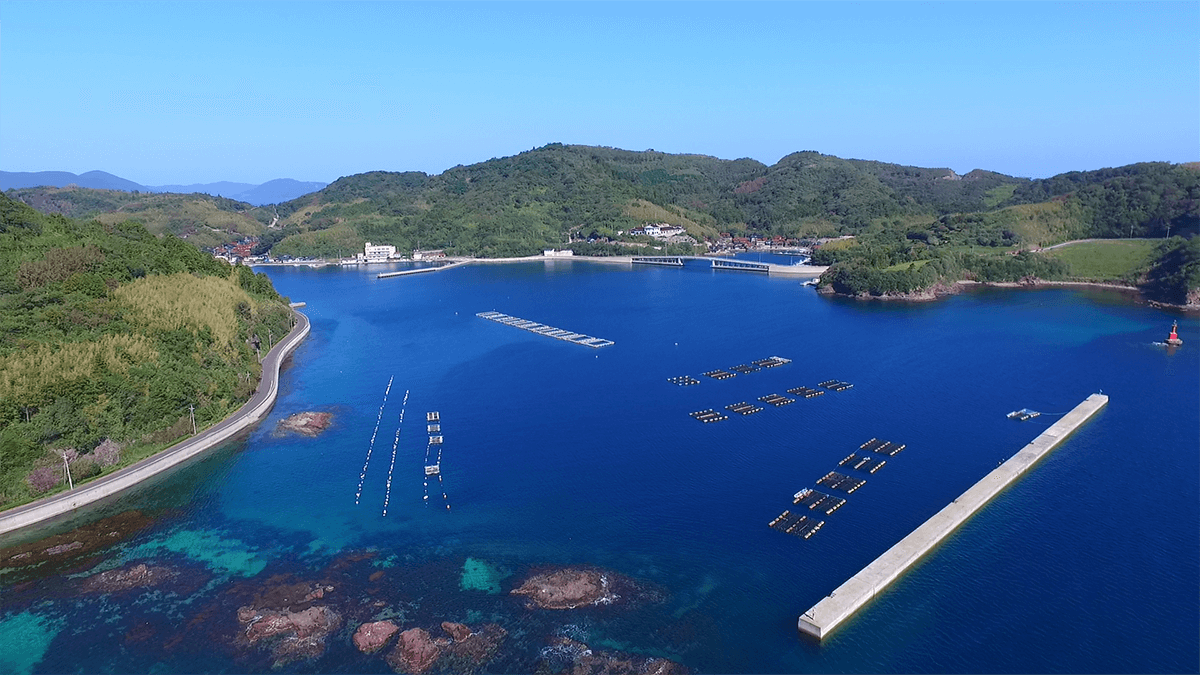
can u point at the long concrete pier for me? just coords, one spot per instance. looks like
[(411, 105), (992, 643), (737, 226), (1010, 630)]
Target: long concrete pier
[(421, 270), (259, 404), (861, 588)]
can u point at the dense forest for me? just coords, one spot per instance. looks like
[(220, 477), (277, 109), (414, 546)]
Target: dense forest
[(108, 336)]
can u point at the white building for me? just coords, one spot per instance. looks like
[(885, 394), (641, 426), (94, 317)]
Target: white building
[(378, 253), (555, 253)]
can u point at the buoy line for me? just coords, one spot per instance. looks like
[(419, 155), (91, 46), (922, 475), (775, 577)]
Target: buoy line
[(363, 476), (387, 495)]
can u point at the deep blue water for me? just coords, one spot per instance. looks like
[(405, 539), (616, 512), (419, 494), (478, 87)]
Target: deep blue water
[(560, 454)]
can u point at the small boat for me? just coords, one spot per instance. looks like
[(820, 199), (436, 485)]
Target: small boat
[(1023, 414)]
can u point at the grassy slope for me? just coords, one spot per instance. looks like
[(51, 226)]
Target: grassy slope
[(1115, 260)]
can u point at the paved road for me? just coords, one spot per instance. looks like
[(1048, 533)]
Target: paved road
[(1081, 241), (248, 414)]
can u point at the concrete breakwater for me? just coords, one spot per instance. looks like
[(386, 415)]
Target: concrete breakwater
[(858, 590), (253, 410)]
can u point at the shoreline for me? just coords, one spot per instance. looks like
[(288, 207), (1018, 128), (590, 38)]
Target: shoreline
[(253, 410), (942, 290)]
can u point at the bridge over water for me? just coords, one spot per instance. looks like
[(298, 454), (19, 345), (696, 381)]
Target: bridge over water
[(731, 264)]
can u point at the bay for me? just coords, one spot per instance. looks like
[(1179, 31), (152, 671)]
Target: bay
[(559, 454)]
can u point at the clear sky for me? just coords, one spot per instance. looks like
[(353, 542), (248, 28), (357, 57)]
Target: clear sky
[(164, 93)]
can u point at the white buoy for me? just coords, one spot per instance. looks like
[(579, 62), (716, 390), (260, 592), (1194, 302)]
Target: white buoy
[(387, 495)]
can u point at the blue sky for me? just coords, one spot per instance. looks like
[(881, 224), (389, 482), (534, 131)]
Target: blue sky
[(198, 92)]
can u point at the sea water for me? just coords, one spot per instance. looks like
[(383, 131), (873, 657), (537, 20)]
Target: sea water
[(560, 454)]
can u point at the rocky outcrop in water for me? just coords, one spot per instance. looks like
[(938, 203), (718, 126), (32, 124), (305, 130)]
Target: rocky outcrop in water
[(565, 655), (464, 651), (292, 635), (573, 587), (371, 637), (125, 578), (286, 618), (307, 423)]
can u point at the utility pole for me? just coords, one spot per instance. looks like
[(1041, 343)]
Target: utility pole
[(268, 339), (192, 410), (67, 468)]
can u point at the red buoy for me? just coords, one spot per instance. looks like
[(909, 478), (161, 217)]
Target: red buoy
[(1173, 339)]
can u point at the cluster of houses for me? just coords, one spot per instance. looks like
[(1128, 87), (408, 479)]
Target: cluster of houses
[(236, 251)]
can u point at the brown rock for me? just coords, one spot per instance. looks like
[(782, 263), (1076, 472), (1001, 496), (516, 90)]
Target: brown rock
[(456, 630), (376, 576), (567, 588), (307, 423), (138, 576), (371, 637), (295, 635), (476, 648), (63, 548), (579, 659), (415, 652)]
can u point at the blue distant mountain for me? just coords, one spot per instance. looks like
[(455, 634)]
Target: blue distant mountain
[(271, 192)]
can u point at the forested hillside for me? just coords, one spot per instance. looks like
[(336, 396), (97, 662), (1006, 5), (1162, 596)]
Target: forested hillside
[(202, 219), (107, 335), (913, 226)]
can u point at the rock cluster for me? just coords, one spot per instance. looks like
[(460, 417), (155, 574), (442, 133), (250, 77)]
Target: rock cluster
[(371, 637), (567, 655), (465, 650), (286, 618), (123, 579), (573, 587), (307, 423)]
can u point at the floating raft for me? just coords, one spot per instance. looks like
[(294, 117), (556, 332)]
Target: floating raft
[(805, 392), (709, 416), (835, 385), (771, 362), (883, 447), (776, 400), (719, 374), (745, 370), (548, 331), (743, 408), (434, 428), (433, 417), (1023, 414), (841, 482), (863, 462), (818, 501), (683, 380), (800, 526)]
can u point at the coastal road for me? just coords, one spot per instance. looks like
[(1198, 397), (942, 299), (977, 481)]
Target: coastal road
[(1082, 241), (254, 410)]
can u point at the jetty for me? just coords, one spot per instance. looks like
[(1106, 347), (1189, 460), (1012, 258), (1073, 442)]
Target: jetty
[(809, 271), (422, 270), (824, 617), (548, 331)]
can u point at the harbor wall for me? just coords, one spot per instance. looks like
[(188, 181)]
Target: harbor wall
[(259, 404), (824, 617)]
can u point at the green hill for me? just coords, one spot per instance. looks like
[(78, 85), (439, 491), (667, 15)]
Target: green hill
[(202, 219), (107, 335)]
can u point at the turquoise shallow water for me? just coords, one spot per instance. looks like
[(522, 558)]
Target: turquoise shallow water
[(559, 454)]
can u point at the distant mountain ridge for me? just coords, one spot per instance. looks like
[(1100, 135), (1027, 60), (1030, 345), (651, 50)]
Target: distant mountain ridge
[(271, 192)]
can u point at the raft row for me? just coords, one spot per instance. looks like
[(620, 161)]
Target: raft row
[(709, 416), (863, 462), (744, 369), (776, 400), (816, 500), (800, 526), (743, 408), (835, 385), (805, 392), (548, 331), (838, 481), (883, 447)]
